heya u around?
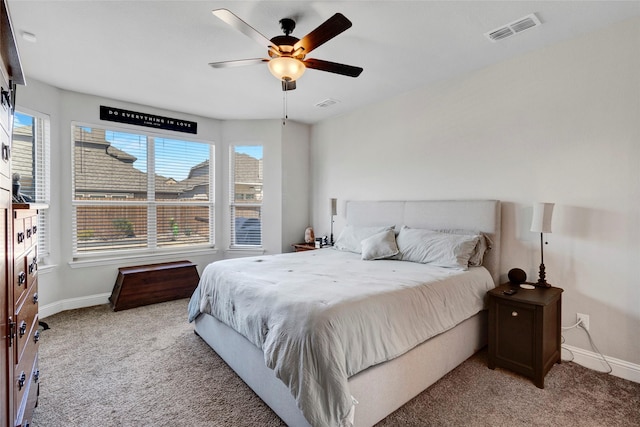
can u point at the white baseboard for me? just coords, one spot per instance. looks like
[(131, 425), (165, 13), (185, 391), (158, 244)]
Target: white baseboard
[(588, 359), (72, 303)]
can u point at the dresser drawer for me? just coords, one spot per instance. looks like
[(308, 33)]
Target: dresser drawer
[(19, 279), (26, 388), (19, 235), (28, 233), (32, 265), (25, 230), (27, 332), (32, 397)]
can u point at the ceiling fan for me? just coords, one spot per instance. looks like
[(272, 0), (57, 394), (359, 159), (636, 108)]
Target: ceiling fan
[(287, 54)]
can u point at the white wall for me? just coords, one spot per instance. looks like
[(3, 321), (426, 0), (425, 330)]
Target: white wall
[(296, 184), (65, 284), (558, 125)]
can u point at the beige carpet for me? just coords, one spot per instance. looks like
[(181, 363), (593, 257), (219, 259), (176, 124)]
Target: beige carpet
[(146, 367)]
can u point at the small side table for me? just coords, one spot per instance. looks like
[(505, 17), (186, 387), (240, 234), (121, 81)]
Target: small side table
[(299, 247), (524, 330)]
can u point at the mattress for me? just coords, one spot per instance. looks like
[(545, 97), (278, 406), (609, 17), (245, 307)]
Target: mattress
[(322, 316)]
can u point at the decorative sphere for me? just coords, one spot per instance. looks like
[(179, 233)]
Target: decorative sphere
[(517, 276)]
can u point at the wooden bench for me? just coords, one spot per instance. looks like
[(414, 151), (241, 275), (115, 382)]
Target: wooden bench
[(153, 283)]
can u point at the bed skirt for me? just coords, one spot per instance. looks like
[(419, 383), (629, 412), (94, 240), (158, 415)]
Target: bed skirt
[(380, 389)]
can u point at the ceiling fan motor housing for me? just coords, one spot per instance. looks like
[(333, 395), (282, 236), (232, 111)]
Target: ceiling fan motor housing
[(285, 45)]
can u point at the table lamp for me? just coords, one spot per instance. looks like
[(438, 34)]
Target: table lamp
[(541, 223)]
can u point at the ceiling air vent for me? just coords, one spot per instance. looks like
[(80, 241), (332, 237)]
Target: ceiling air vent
[(513, 28), (327, 103)]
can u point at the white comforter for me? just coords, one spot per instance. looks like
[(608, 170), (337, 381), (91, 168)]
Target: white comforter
[(322, 316)]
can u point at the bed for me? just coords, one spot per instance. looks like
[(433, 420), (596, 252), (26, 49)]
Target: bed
[(375, 385)]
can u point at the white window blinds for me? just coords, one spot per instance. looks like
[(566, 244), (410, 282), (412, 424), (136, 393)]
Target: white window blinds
[(246, 195)]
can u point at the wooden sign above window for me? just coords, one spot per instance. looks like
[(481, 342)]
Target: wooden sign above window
[(149, 120)]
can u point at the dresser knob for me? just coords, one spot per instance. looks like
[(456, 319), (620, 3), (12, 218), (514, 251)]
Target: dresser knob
[(23, 328), (35, 298), (28, 233), (34, 229), (21, 380), (22, 277), (36, 376), (514, 314), (36, 336), (20, 237)]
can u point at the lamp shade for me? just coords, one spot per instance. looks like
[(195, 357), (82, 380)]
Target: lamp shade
[(286, 68), (541, 221), (334, 206)]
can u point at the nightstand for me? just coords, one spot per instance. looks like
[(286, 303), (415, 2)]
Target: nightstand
[(299, 247), (524, 330)]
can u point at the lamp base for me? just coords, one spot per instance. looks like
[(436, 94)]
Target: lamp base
[(542, 282)]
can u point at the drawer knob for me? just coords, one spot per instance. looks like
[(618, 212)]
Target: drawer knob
[(23, 328), (36, 336), (28, 233), (34, 229), (5, 152), (21, 380), (35, 298), (22, 277), (20, 237), (36, 376), (514, 314)]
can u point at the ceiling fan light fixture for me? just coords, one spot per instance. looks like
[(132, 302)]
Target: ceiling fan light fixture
[(286, 68)]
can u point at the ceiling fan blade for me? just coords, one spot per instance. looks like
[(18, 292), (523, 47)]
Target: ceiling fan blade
[(333, 67), (288, 85), (238, 63), (246, 29), (325, 32)]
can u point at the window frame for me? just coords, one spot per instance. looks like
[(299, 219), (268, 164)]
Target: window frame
[(41, 138), (233, 202), (151, 204)]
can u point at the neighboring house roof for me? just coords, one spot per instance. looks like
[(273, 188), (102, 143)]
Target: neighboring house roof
[(103, 168)]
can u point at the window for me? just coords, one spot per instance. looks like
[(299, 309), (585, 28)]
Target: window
[(30, 166), (246, 195), (140, 192)]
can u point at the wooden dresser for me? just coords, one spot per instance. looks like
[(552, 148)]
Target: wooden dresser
[(16, 351), (26, 386)]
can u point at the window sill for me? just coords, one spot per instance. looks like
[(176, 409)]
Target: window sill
[(241, 252), (148, 258)]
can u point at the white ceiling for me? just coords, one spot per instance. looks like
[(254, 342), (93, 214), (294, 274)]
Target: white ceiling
[(156, 53)]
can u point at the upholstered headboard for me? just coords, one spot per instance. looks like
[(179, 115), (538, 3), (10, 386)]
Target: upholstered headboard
[(477, 215)]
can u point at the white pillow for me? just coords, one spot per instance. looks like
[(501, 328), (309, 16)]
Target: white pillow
[(439, 249), (484, 244), (351, 237), (379, 246)]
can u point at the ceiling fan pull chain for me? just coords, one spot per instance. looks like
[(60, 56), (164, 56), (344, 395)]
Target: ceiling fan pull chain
[(284, 108)]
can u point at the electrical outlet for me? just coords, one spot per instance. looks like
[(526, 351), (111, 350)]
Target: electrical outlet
[(584, 318)]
